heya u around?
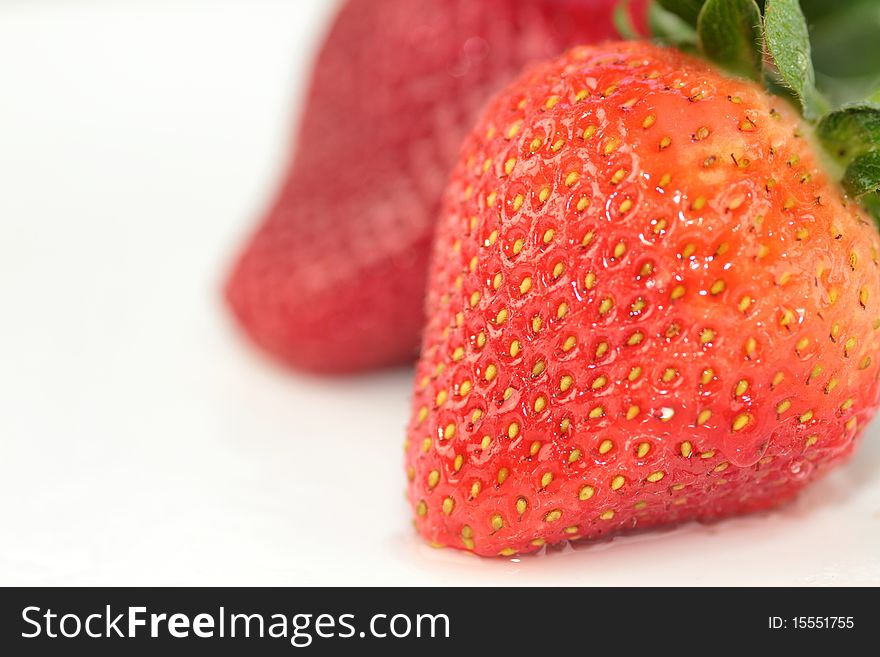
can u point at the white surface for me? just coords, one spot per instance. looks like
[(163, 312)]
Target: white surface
[(142, 441)]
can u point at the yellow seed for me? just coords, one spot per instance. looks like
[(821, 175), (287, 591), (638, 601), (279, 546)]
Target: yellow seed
[(611, 145), (449, 432), (544, 194), (811, 440), (717, 287), (481, 339), (618, 175), (538, 367), (485, 442), (571, 178), (502, 475), (596, 412), (575, 456), (502, 316), (707, 455), (740, 421), (698, 203), (626, 206), (707, 375), (557, 145), (518, 246), (458, 354), (649, 121), (491, 371), (553, 516), (513, 129), (535, 447), (441, 398), (546, 479), (540, 404), (558, 268), (664, 180), (551, 102), (848, 346), (744, 303), (599, 382), (686, 449), (721, 467), (634, 373), (458, 462), (635, 338), (589, 131), (582, 203), (518, 202), (632, 412), (601, 349), (605, 446), (665, 142), (747, 126), (783, 406), (536, 323), (590, 280), (654, 477), (580, 95), (513, 430), (617, 482), (643, 449), (421, 509), (497, 522), (702, 133), (491, 198), (562, 310), (605, 305), (525, 285), (477, 415), (677, 292), (548, 235), (448, 505), (845, 406), (565, 383), (703, 416), (433, 478), (607, 515), (521, 505), (535, 144), (831, 385), (741, 387), (569, 343), (475, 299), (638, 506), (805, 417), (476, 487)]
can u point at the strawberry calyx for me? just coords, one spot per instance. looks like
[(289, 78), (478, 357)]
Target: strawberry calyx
[(769, 41)]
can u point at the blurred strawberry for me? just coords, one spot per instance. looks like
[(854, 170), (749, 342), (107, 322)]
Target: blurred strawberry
[(333, 279)]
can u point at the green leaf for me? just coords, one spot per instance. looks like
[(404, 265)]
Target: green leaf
[(863, 174), (788, 44), (850, 131), (670, 28), (730, 35), (623, 22), (688, 10)]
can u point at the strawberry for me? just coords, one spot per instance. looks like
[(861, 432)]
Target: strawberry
[(333, 278), (648, 303)]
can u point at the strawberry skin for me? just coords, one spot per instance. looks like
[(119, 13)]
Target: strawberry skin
[(333, 278), (647, 304)]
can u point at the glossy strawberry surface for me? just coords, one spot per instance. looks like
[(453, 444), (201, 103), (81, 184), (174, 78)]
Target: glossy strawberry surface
[(647, 303), (333, 278)]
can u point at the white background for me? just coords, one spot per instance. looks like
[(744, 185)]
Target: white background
[(142, 441)]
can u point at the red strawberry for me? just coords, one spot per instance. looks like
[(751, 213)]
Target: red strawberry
[(333, 279), (648, 303)]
